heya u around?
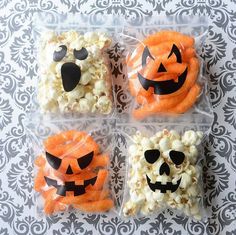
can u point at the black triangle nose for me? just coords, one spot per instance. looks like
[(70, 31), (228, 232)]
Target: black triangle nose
[(70, 74), (164, 169), (161, 68), (69, 170)]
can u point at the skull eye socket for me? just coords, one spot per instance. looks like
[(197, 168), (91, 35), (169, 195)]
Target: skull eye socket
[(81, 54), (58, 55), (85, 160), (151, 155), (53, 161), (176, 157)]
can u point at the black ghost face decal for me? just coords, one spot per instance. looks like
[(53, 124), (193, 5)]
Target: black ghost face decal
[(56, 162), (162, 87), (151, 157), (70, 186), (70, 72)]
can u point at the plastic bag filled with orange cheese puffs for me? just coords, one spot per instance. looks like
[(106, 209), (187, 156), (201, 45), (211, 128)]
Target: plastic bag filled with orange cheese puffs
[(164, 68), (72, 167)]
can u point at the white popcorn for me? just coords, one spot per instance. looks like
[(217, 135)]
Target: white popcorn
[(84, 105), (177, 145), (137, 137), (91, 36), (94, 88), (104, 105), (91, 99), (157, 196), (186, 197), (85, 78), (137, 198), (191, 138), (174, 135), (76, 94), (146, 143), (58, 69), (185, 180), (193, 191), (129, 208), (164, 144)]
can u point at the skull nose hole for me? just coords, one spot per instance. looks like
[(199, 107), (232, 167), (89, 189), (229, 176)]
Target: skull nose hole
[(164, 169), (69, 170)]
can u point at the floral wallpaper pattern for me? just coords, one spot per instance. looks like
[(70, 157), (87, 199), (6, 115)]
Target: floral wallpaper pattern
[(18, 70)]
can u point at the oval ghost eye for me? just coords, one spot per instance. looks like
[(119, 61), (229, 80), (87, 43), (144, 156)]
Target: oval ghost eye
[(81, 54), (176, 157), (151, 155), (59, 54)]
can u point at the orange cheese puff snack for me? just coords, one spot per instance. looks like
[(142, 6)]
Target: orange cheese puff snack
[(163, 72), (72, 172)]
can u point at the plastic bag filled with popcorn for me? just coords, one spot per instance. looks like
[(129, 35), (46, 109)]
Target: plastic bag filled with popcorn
[(74, 67), (163, 170)]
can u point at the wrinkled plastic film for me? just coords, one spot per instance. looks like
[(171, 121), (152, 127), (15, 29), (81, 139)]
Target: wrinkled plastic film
[(74, 67), (72, 169), (164, 68), (163, 169)]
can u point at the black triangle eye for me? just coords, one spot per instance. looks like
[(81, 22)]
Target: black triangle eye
[(58, 55), (145, 55), (151, 155), (176, 157), (85, 160), (53, 161), (161, 68), (81, 54)]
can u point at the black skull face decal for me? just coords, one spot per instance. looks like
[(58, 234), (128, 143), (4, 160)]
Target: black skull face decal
[(162, 87), (151, 157), (70, 72)]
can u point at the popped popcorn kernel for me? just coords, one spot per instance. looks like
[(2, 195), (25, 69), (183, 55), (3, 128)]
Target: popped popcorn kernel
[(78, 60), (165, 177)]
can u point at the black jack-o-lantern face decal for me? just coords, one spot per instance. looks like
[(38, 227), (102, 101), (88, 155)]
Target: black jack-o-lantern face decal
[(82, 162), (162, 87), (70, 72), (151, 157)]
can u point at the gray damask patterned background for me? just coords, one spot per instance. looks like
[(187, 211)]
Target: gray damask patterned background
[(18, 71)]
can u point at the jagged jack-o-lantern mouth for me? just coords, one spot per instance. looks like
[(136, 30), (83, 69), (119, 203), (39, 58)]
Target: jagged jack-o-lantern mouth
[(70, 186), (151, 157), (162, 87)]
